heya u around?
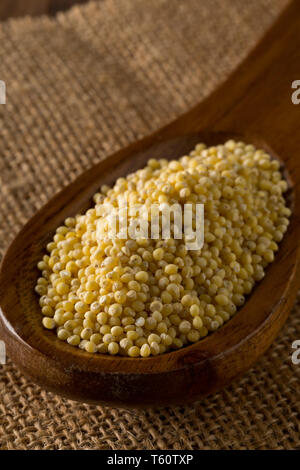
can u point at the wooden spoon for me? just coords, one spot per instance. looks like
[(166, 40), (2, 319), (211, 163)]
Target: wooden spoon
[(254, 104)]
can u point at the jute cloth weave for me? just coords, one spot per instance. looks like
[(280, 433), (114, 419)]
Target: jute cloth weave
[(79, 87)]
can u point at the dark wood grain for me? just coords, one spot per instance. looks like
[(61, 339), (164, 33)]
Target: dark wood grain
[(255, 105), (17, 8)]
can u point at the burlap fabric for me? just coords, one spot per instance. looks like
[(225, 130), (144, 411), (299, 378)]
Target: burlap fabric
[(79, 87)]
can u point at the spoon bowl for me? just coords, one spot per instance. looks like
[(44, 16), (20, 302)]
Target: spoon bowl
[(204, 367)]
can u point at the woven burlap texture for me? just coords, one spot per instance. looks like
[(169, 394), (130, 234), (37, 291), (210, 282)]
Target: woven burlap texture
[(80, 86)]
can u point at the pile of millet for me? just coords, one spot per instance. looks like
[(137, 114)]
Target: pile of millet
[(145, 297)]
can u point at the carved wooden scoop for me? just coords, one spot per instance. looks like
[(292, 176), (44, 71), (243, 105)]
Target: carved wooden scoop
[(254, 104)]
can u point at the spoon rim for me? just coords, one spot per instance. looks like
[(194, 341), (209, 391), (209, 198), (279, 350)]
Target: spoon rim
[(198, 352)]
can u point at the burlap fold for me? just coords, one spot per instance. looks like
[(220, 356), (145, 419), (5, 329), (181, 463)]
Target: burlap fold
[(80, 86)]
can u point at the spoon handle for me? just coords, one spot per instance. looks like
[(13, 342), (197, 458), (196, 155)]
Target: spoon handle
[(257, 97)]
